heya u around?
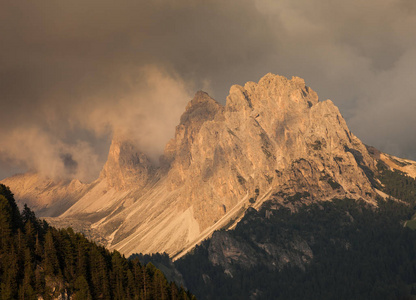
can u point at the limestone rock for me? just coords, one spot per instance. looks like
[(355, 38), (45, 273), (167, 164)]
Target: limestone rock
[(126, 167)]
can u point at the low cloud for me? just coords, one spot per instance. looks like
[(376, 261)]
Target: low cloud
[(37, 151), (146, 110)]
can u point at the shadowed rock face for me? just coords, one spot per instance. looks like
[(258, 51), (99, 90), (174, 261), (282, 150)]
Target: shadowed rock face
[(228, 252), (271, 138)]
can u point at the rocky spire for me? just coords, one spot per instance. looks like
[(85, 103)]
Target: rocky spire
[(126, 166), (202, 108)]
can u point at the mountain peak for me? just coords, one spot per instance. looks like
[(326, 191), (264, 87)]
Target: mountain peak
[(201, 107), (200, 97), (272, 92), (126, 165), (271, 79)]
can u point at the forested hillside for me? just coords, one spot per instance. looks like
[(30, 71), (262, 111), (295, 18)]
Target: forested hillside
[(340, 249), (37, 260)]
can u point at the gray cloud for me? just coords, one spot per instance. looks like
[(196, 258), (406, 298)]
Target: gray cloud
[(73, 72)]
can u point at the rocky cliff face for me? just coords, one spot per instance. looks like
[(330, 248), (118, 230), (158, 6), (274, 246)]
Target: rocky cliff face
[(228, 252), (126, 166), (271, 138)]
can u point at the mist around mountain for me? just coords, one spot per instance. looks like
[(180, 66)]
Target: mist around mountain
[(40, 262)]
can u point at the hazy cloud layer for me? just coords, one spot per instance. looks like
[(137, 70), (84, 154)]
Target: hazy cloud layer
[(73, 72)]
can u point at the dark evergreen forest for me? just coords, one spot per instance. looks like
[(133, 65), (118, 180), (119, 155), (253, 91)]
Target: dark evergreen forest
[(37, 260), (359, 251)]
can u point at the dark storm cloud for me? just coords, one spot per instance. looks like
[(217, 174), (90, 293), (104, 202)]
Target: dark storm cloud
[(73, 72), (69, 163)]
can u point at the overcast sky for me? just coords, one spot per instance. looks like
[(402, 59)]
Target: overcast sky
[(73, 72)]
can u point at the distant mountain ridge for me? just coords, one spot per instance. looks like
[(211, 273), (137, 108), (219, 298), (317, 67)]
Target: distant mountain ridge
[(272, 138)]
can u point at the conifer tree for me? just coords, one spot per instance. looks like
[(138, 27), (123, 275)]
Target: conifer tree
[(50, 256), (82, 291), (5, 222)]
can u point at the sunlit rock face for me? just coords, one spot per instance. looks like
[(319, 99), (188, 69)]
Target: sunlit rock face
[(271, 135), (272, 139), (126, 167)]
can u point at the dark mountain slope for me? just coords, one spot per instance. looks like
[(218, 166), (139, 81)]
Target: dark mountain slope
[(340, 249)]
